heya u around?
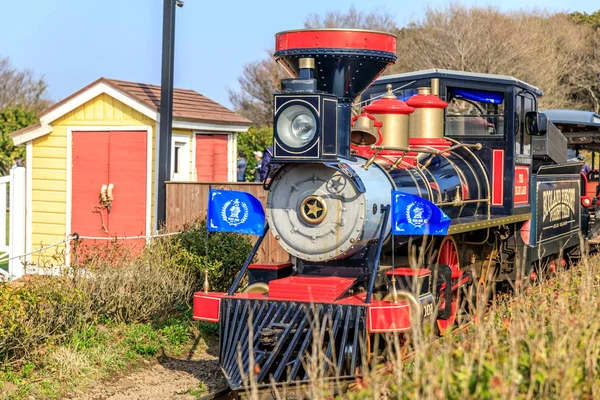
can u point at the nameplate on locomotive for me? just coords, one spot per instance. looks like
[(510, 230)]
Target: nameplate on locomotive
[(557, 207)]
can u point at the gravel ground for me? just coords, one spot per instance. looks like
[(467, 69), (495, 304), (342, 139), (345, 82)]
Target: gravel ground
[(167, 378)]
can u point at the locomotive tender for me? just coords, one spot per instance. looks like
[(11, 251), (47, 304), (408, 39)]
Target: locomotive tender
[(473, 145)]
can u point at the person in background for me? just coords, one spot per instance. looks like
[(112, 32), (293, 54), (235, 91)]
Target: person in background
[(267, 155), (241, 167), (258, 155), (584, 168)]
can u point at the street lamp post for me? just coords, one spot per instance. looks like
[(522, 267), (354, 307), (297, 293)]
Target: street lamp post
[(166, 109)]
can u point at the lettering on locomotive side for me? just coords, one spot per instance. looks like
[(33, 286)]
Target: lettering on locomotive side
[(521, 185), (558, 207), (557, 211)]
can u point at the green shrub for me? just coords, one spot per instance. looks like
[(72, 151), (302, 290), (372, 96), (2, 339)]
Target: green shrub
[(227, 253), (255, 139), (110, 286), (44, 309)]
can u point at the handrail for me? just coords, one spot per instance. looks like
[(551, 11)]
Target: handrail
[(386, 214)]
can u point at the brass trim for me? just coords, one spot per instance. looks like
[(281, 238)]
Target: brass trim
[(306, 62), (258, 287), (310, 212), (435, 86), (473, 226), (389, 94)]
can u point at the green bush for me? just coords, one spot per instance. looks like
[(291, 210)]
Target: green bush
[(44, 309), (255, 139), (227, 253), (110, 288)]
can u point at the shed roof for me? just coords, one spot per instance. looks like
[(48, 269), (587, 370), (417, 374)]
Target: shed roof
[(191, 110), (188, 104)]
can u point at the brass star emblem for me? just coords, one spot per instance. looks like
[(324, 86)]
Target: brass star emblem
[(313, 209)]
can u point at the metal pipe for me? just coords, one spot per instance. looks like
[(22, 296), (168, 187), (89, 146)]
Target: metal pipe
[(476, 146), (406, 149), (461, 202), (483, 170), (386, 214), (242, 272), (166, 111)]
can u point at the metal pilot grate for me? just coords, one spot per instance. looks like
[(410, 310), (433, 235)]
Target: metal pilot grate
[(289, 341)]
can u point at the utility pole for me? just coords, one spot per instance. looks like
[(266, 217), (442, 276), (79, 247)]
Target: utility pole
[(166, 108)]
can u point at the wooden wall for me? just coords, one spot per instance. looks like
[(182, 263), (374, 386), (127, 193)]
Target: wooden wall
[(188, 201)]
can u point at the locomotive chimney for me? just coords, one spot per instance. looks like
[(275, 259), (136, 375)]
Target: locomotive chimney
[(345, 63)]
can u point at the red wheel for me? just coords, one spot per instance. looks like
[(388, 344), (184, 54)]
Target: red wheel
[(449, 255)]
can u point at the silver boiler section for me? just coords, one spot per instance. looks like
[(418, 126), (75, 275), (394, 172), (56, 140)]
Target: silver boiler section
[(319, 212)]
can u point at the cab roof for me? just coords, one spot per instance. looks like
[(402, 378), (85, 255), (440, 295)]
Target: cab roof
[(460, 75), (581, 128)]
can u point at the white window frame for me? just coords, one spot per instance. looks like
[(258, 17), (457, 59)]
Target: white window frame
[(185, 140)]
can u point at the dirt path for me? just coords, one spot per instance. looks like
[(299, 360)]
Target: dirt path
[(169, 378)]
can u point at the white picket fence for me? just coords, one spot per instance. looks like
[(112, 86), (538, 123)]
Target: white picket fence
[(13, 244)]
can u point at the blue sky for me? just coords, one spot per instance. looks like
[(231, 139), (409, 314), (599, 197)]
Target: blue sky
[(73, 43)]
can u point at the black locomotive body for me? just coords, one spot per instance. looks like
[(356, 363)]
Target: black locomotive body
[(473, 145)]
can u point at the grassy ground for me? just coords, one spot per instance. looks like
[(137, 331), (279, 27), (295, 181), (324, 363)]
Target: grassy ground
[(98, 351)]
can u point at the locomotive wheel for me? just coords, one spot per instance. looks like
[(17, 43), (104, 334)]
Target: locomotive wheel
[(448, 254)]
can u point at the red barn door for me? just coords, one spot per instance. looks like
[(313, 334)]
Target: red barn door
[(211, 158), (102, 158)]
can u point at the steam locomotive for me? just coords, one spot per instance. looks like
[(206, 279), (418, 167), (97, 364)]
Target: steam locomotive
[(473, 145)]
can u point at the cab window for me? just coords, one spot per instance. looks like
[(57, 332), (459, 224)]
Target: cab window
[(473, 112), (524, 103)]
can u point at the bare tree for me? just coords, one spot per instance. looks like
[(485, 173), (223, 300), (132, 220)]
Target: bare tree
[(259, 79), (547, 50), (21, 88), (378, 20), (558, 53)]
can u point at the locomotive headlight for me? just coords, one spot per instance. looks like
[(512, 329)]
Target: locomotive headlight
[(296, 126)]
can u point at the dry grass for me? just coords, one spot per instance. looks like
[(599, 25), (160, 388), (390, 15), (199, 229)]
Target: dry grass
[(542, 342)]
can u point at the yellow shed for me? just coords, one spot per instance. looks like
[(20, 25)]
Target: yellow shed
[(103, 138)]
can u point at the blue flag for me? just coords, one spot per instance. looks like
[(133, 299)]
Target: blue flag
[(413, 215), (232, 211)]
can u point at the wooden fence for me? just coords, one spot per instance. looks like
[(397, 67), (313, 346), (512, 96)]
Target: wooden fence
[(188, 201)]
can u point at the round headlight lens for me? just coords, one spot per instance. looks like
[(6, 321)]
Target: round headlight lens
[(296, 126), (304, 127)]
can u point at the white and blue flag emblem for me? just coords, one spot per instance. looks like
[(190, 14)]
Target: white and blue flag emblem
[(232, 211), (413, 215)]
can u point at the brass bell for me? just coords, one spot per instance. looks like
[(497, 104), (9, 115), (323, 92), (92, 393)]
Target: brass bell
[(362, 133)]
